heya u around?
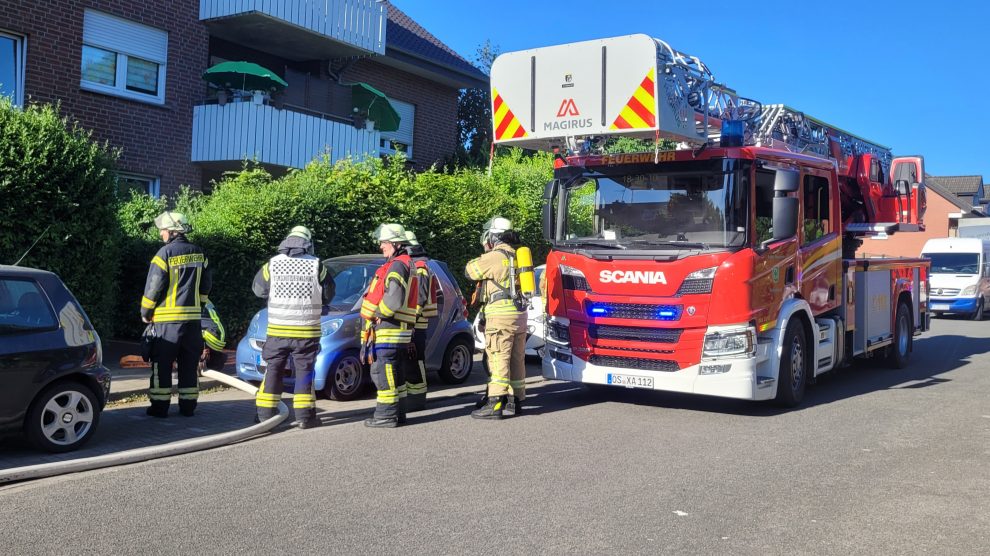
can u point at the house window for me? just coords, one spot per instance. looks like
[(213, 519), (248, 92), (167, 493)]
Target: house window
[(12, 67), (126, 183), (402, 138), (123, 58)]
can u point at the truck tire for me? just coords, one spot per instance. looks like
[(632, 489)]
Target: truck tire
[(900, 351), (794, 358), (978, 314)]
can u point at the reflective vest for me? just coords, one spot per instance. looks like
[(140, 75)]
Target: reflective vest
[(373, 303), (295, 298)]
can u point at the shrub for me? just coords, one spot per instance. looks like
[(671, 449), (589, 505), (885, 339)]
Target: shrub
[(54, 177)]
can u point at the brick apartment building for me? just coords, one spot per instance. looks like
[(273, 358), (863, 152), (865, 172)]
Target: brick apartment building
[(132, 72)]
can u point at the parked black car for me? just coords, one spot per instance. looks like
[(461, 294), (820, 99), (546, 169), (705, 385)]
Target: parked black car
[(53, 384)]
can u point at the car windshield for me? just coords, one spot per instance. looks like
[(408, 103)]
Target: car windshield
[(689, 204), (954, 263), (351, 280)]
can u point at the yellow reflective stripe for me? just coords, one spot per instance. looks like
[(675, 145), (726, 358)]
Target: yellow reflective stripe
[(216, 320), (266, 404), (323, 272), (385, 310), (474, 270), (305, 327), (159, 262), (264, 272), (498, 380), (387, 397), (212, 341), (268, 397), (389, 374), (395, 276), (175, 288), (147, 303), (199, 275), (182, 260)]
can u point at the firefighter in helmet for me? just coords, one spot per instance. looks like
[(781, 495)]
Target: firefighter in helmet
[(177, 286), (426, 310), (389, 312), (297, 286), (505, 321)]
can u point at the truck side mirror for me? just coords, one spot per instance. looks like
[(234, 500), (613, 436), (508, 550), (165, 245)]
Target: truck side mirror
[(785, 218), (549, 192), (903, 187), (786, 181)]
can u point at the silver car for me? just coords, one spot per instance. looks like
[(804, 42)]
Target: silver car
[(340, 375)]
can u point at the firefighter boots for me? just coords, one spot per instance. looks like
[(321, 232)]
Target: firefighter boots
[(491, 410), (310, 422), (157, 410), (513, 406), (381, 422)]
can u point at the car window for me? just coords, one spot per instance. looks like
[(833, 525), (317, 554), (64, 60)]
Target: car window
[(23, 307), (538, 272), (350, 281), (450, 276)]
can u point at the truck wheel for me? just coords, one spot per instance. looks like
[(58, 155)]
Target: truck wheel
[(794, 359), (900, 351), (978, 314)]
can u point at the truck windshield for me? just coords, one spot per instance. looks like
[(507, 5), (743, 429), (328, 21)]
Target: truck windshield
[(954, 263), (697, 204)]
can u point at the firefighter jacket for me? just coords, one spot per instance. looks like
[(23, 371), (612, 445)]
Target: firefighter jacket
[(178, 283), (493, 270), (213, 333), (429, 286), (296, 285), (389, 305)]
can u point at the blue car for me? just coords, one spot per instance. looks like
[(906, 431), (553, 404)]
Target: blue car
[(340, 375)]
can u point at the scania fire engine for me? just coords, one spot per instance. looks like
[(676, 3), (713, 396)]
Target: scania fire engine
[(725, 266)]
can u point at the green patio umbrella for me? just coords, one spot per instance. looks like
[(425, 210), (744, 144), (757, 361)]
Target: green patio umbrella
[(244, 75), (366, 98)]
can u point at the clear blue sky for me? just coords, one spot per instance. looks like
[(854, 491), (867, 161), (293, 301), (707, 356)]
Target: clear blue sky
[(912, 75)]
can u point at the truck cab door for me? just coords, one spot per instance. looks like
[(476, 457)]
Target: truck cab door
[(907, 177)]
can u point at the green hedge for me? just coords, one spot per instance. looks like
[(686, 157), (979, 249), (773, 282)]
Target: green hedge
[(242, 222), (54, 176)]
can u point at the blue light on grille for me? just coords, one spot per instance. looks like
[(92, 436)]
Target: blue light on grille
[(667, 314), (598, 311)]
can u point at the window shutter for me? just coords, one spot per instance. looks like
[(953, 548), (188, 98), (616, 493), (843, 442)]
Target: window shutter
[(407, 117), (127, 37)]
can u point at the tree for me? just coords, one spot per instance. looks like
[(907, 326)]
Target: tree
[(474, 114)]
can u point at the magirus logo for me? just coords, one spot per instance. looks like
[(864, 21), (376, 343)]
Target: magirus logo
[(567, 108), (631, 277)]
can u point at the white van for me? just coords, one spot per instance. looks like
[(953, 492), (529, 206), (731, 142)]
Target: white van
[(960, 279)]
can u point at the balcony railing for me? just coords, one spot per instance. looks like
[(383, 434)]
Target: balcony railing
[(239, 131), (358, 23)]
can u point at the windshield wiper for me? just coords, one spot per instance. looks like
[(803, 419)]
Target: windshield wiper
[(595, 242), (684, 244)]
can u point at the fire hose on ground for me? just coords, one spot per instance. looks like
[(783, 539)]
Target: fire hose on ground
[(153, 452)]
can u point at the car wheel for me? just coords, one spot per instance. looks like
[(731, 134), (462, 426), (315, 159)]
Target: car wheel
[(457, 362), (62, 418), (794, 358), (900, 351), (346, 380)]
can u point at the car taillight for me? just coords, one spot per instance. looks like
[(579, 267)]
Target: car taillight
[(92, 356), (464, 310)]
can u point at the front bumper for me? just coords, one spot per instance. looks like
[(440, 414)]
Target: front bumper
[(742, 380), (954, 304)]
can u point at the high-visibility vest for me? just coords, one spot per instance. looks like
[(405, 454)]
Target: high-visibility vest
[(376, 292), (295, 298)]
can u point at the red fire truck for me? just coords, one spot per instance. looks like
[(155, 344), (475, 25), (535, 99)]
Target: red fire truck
[(726, 266)]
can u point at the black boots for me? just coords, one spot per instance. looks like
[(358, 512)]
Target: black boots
[(157, 410), (187, 408), (491, 410), (310, 422), (513, 407), (381, 422)]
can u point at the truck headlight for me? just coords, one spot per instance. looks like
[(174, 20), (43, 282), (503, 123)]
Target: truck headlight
[(739, 342), (558, 332), (699, 281), (573, 279), (969, 290), (330, 326)]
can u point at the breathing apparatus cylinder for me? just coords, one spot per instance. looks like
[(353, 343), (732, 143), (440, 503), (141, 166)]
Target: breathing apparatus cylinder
[(524, 269)]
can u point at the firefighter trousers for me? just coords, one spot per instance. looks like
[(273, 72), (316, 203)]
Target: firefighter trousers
[(387, 372), (277, 352), (179, 344), (416, 373), (505, 349)]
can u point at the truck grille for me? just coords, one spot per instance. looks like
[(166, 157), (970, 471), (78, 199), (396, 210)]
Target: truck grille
[(633, 311), (637, 364), (656, 335)]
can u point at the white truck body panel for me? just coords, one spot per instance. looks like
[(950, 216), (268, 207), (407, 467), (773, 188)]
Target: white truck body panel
[(592, 88)]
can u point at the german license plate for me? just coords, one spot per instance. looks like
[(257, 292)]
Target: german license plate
[(631, 381), (940, 306)]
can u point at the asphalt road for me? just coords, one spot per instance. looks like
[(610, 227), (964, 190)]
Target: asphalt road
[(877, 461)]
